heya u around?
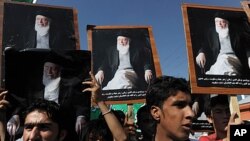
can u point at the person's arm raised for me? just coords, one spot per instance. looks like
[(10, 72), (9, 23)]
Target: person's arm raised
[(3, 102), (111, 120)]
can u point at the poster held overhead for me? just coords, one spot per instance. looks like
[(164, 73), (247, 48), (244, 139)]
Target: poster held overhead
[(124, 61), (217, 40)]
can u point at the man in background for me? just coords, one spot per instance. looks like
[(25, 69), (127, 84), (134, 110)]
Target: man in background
[(218, 114)]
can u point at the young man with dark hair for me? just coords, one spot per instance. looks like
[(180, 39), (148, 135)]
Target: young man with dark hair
[(218, 114), (169, 101), (43, 121)]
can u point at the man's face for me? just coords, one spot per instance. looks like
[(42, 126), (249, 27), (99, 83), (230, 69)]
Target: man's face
[(220, 118), (221, 23), (176, 116), (42, 21), (122, 40), (51, 70), (38, 127)]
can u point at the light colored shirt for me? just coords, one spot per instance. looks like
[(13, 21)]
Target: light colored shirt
[(42, 41), (51, 91)]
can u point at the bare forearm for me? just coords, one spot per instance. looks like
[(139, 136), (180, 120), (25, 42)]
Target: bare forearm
[(112, 122)]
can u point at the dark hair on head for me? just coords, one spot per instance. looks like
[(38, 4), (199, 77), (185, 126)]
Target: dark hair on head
[(164, 87), (119, 114), (220, 99), (51, 108), (146, 122), (99, 129), (143, 113)]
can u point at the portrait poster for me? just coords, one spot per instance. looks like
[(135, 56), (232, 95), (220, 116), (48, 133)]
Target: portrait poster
[(121, 69), (24, 27), (29, 73), (225, 69)]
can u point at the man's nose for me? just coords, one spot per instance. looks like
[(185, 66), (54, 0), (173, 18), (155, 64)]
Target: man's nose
[(220, 23), (41, 21), (34, 134), (189, 113), (226, 114), (49, 70)]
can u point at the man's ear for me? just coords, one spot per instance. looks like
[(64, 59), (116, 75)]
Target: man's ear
[(155, 112), (62, 135)]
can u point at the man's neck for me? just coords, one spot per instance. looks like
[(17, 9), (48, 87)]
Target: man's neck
[(161, 135)]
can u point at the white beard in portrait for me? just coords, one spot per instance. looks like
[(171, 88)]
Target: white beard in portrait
[(48, 80), (223, 32), (42, 30), (123, 49)]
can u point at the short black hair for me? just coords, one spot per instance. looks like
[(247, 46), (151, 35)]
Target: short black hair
[(51, 108), (119, 114), (209, 105), (164, 87), (146, 122), (98, 128)]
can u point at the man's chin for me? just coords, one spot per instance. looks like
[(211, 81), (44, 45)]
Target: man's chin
[(46, 81)]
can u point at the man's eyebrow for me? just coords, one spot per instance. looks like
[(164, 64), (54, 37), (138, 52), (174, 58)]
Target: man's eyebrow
[(37, 124), (181, 102)]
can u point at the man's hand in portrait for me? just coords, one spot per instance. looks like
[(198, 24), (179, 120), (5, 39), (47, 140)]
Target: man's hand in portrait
[(201, 60)]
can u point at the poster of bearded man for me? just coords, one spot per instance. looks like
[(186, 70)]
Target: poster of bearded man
[(218, 40), (124, 61), (34, 26)]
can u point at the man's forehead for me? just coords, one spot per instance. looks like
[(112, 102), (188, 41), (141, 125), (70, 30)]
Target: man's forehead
[(39, 123), (41, 16), (37, 117), (220, 106), (122, 37), (219, 19), (51, 64), (180, 96)]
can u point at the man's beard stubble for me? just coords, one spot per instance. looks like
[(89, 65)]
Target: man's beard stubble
[(47, 80), (223, 32), (123, 49)]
